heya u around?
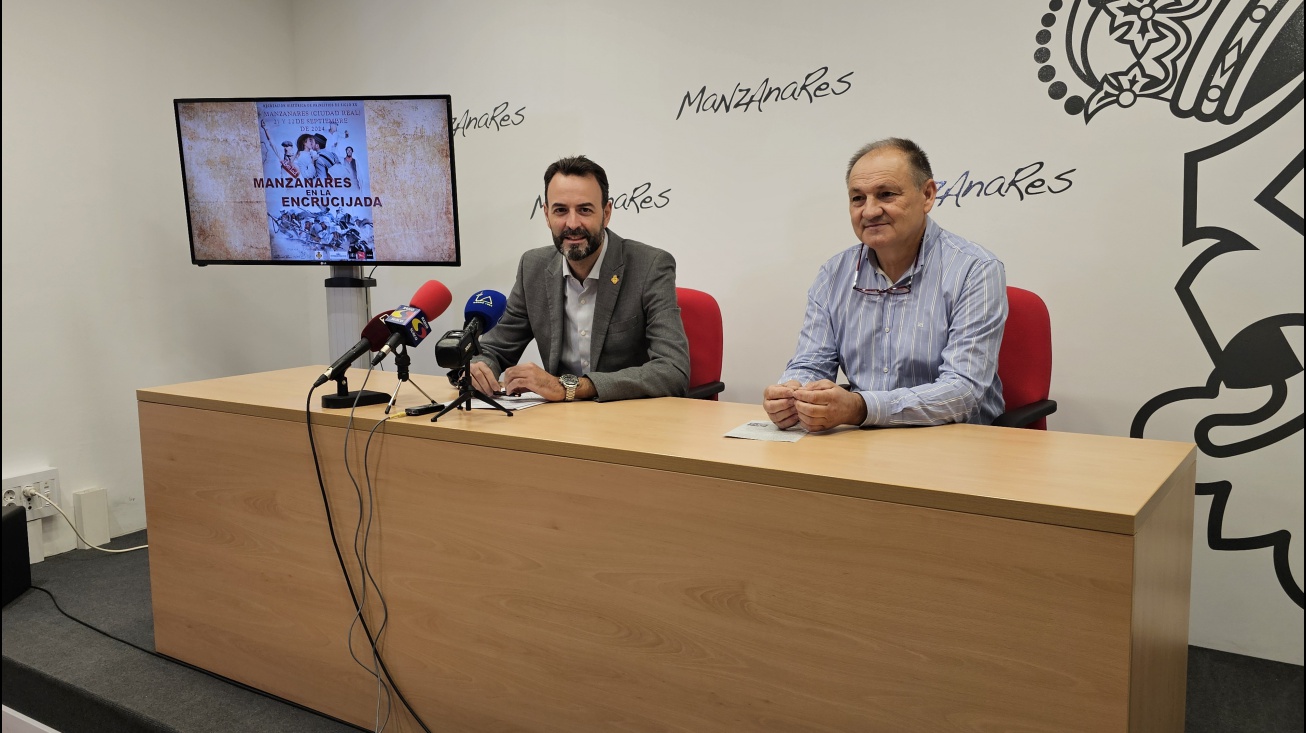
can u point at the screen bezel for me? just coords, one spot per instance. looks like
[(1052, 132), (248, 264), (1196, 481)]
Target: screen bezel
[(453, 182)]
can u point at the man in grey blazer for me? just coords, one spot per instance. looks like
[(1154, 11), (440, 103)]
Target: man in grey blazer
[(602, 309)]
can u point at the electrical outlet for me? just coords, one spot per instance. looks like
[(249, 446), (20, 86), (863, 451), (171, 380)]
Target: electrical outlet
[(45, 483)]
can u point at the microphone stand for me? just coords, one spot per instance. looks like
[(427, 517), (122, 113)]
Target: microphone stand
[(462, 377), (402, 362), (344, 399)]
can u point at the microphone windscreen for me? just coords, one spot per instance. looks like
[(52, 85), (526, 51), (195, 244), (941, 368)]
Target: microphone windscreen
[(433, 298), (376, 331), (488, 305)]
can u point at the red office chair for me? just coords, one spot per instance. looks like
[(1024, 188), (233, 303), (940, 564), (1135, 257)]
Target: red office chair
[(1025, 362), (702, 318)]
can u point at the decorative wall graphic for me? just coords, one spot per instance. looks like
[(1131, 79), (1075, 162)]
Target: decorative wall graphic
[(496, 119), (639, 199), (811, 87), (1210, 59), (1215, 61), (1026, 180)]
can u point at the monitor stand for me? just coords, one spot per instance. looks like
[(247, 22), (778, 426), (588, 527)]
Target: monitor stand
[(347, 314)]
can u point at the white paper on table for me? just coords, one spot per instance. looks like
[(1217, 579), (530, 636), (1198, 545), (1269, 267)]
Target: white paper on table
[(766, 430), (512, 402)]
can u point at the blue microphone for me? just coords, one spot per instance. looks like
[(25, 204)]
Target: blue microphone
[(455, 349), (483, 311)]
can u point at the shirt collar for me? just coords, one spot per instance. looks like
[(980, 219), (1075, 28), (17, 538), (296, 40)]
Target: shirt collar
[(928, 244), (929, 241), (598, 264)]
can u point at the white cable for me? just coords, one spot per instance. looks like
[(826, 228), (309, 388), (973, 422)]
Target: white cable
[(34, 495)]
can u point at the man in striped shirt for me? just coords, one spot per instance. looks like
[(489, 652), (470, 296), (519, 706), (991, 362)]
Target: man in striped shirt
[(913, 314)]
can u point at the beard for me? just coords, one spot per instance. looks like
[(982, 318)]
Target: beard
[(580, 251)]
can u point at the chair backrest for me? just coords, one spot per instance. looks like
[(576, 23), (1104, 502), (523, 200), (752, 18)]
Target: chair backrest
[(702, 318), (1025, 358)]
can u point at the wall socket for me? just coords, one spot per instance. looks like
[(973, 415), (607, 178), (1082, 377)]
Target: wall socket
[(45, 482)]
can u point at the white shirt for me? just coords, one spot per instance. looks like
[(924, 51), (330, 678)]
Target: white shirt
[(579, 309)]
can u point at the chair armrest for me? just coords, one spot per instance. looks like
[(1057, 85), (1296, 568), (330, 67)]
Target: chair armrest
[(705, 391), (1022, 416)]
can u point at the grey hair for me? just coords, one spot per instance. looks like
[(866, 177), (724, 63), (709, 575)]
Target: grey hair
[(919, 161)]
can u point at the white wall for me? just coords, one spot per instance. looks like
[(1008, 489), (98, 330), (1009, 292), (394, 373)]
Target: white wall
[(756, 204), (757, 201), (100, 297)]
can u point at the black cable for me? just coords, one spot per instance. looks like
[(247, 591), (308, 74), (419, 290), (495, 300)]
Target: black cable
[(367, 299), (372, 640), (331, 527), (367, 295), (367, 291), (365, 570), (364, 576), (201, 670), (371, 513)]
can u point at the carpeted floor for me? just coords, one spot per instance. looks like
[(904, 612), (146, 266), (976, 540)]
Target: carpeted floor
[(1232, 693), (76, 680)]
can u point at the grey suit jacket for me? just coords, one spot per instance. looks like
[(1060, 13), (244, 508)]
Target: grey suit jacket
[(638, 337)]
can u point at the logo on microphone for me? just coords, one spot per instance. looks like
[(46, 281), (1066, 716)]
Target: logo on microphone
[(482, 299), (420, 328)]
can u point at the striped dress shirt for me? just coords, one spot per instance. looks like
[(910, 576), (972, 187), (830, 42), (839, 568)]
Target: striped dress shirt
[(927, 357)]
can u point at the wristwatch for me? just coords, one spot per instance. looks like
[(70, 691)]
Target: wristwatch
[(570, 382)]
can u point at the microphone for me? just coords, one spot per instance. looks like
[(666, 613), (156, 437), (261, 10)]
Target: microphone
[(375, 331), (373, 338), (483, 311), (455, 349), (409, 324)]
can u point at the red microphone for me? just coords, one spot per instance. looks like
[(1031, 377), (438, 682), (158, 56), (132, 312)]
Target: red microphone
[(409, 324)]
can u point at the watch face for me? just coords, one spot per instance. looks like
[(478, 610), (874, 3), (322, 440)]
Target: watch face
[(569, 383)]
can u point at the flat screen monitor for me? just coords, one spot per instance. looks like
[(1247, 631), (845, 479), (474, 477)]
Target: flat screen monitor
[(319, 180)]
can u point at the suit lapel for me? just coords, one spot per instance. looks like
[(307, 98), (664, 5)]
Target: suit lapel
[(557, 314), (610, 281)]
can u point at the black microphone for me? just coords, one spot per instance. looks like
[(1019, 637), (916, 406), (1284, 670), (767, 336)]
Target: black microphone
[(374, 335), (339, 365), (456, 348)]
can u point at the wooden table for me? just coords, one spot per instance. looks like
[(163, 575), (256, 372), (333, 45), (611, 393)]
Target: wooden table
[(622, 566)]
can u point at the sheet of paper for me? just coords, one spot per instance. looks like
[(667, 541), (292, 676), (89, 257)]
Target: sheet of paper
[(512, 402), (766, 430)]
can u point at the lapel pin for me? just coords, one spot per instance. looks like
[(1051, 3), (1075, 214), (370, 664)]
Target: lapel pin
[(615, 279)]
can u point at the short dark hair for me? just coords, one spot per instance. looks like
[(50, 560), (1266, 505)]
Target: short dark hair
[(577, 165), (919, 161)]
